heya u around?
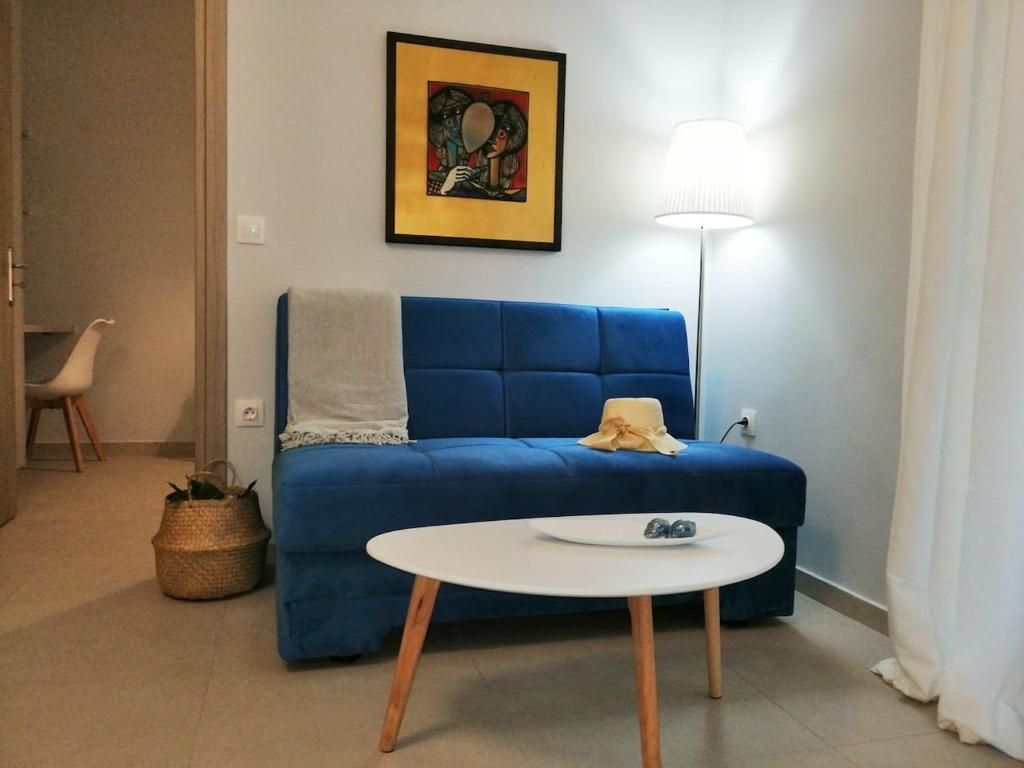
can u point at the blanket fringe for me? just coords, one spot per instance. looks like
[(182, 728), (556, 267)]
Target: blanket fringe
[(299, 438)]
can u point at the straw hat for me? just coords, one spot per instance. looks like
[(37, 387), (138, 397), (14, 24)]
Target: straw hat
[(633, 424)]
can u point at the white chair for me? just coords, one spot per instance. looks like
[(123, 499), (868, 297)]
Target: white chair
[(66, 391)]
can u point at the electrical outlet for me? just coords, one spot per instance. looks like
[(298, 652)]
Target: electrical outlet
[(249, 412), (751, 416)]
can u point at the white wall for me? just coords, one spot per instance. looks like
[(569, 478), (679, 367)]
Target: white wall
[(109, 170), (306, 122), (805, 311)]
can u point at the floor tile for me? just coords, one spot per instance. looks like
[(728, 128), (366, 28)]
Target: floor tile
[(248, 632), (819, 758), (798, 669), (149, 722), (858, 713), (333, 708), (732, 730), (104, 638), (937, 750), (98, 668)]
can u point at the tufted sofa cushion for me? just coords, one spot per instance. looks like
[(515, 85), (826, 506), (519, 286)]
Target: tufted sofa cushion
[(338, 497), (519, 369)]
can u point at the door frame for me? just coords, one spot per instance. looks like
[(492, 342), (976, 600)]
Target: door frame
[(210, 56), (10, 214), (210, 230)]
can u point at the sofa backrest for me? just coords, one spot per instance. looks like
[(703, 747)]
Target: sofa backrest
[(520, 369)]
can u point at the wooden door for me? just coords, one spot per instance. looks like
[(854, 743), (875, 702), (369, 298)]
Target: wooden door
[(10, 253)]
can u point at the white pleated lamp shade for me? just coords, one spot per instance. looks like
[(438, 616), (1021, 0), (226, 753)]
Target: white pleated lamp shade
[(705, 183)]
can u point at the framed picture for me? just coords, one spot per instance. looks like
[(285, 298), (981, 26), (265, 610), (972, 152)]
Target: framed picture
[(474, 144)]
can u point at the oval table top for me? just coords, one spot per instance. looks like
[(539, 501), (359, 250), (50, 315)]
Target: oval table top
[(510, 556)]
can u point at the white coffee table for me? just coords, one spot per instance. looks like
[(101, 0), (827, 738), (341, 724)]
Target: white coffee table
[(509, 556)]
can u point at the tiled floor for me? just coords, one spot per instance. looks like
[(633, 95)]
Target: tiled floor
[(97, 668)]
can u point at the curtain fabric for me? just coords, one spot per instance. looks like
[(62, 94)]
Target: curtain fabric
[(955, 574)]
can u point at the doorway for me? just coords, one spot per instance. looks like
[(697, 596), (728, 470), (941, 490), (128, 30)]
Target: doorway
[(149, 139)]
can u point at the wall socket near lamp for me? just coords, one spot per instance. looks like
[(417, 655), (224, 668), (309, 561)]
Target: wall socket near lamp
[(750, 415), (249, 412)]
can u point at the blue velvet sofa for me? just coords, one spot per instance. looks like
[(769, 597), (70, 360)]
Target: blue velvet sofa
[(498, 394)]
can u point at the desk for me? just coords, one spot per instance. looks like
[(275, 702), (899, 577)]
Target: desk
[(48, 328)]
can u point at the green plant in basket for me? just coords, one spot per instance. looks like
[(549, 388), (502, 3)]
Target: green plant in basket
[(202, 491)]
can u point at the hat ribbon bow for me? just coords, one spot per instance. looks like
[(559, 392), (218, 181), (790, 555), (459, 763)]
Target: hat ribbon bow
[(615, 432)]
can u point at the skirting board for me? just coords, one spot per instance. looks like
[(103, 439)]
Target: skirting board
[(845, 602), (60, 451)]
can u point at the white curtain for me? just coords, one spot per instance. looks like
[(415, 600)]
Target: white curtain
[(956, 555)]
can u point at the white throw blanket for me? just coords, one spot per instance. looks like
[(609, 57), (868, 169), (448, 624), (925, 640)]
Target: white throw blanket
[(346, 382)]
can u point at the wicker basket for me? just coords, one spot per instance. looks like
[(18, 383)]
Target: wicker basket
[(211, 548)]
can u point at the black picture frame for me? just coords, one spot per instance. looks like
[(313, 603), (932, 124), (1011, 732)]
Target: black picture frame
[(391, 236)]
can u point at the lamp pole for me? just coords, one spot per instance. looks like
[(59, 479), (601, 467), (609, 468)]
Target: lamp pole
[(700, 342), (705, 186)]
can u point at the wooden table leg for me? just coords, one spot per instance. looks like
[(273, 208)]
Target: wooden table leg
[(713, 635), (421, 605), (642, 622)]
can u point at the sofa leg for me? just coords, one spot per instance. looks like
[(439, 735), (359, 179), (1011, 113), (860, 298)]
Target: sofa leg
[(352, 659)]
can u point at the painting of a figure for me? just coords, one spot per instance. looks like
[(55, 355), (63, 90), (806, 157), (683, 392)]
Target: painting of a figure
[(476, 141), (467, 123)]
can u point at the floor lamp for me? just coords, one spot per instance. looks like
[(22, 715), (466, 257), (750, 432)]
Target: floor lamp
[(705, 186)]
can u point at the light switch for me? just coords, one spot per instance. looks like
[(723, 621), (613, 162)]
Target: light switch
[(250, 229)]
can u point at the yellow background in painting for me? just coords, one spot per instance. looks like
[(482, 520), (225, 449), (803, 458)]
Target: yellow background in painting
[(416, 212)]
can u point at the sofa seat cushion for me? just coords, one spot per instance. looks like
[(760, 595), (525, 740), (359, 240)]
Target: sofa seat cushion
[(338, 497), (698, 459)]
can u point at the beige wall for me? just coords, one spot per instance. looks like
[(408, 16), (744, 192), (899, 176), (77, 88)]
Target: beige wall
[(108, 106), (805, 310), (306, 127)]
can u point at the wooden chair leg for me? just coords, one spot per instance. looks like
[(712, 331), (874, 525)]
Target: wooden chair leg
[(33, 428), (69, 421), (90, 427)]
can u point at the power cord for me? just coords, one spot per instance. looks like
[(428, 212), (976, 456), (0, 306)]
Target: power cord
[(741, 423)]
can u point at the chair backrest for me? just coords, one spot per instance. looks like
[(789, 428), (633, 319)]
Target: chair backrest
[(76, 375), (520, 369)]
